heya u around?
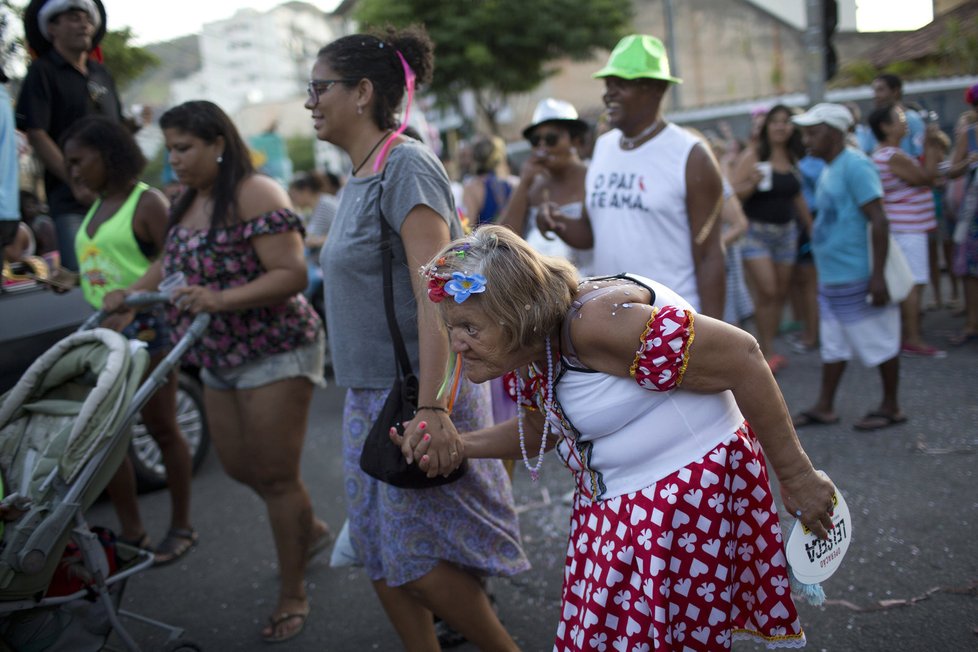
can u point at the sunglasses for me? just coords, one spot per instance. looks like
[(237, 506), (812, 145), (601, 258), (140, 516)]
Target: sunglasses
[(318, 87), (549, 140)]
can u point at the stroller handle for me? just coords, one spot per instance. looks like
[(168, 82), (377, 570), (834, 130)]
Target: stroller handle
[(142, 300)]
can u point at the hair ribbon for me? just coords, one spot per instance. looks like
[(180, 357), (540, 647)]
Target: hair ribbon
[(409, 78)]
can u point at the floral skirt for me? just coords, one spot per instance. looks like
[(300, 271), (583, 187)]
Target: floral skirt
[(688, 563), (400, 535)]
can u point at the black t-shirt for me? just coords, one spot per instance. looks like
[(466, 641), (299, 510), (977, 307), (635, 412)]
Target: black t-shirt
[(54, 95), (777, 205)]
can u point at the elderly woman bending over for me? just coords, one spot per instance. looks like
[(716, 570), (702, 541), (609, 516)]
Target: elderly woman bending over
[(664, 416)]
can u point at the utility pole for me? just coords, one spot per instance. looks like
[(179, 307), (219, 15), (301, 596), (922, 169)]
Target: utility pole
[(671, 52), (814, 52)]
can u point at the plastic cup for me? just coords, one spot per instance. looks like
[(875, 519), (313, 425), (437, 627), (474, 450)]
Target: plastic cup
[(171, 283), (767, 176)]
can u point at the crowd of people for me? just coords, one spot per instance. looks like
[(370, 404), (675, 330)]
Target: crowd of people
[(601, 291)]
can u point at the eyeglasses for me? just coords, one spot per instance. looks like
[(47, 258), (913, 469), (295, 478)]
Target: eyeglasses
[(317, 87), (549, 139)]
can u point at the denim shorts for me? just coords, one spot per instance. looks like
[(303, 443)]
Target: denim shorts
[(150, 327), (779, 242), (304, 362)]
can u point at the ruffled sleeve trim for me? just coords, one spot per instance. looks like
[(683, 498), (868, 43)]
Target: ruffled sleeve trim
[(273, 222), (527, 400), (662, 356)]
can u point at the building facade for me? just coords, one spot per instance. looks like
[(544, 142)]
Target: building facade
[(257, 57)]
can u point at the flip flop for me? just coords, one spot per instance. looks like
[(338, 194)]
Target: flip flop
[(809, 418), (278, 619), (878, 420), (963, 338)]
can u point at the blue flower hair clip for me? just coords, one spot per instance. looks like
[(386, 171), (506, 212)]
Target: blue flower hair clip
[(462, 286)]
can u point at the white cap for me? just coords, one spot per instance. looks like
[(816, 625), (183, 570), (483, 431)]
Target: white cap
[(834, 115), (552, 110), (52, 8)]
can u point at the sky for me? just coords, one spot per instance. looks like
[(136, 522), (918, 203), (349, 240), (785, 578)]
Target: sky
[(159, 21), (882, 15), (152, 22)]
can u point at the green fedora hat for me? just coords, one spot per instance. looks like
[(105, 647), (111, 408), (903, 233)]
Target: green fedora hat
[(638, 56)]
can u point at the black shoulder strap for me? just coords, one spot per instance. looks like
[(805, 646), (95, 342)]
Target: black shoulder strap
[(386, 258)]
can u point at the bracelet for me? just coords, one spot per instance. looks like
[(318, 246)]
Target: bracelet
[(434, 408)]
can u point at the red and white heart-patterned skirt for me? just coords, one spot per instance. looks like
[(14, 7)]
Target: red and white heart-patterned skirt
[(688, 563)]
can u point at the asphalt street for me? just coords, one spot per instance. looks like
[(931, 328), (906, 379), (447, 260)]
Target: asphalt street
[(908, 582)]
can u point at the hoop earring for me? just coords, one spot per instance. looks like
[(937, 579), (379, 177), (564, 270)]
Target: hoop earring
[(359, 110)]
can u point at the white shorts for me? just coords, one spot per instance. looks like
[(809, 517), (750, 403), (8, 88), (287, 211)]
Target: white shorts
[(874, 339), (914, 247)]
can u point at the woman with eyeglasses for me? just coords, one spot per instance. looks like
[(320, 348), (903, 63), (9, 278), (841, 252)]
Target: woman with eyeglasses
[(551, 178), (424, 550), (234, 237)]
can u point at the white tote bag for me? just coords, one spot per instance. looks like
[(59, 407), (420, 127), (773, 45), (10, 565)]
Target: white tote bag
[(899, 279)]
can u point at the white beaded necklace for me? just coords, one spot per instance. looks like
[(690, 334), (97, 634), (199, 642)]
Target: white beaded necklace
[(548, 404), (631, 142)]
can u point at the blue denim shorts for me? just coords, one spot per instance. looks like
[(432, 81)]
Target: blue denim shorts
[(779, 242), (150, 327), (304, 362)]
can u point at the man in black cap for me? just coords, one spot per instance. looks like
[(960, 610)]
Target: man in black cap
[(63, 85)]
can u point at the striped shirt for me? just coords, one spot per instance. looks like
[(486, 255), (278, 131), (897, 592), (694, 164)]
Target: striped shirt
[(910, 208)]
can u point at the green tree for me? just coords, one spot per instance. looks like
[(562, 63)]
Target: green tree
[(496, 48), (125, 62)]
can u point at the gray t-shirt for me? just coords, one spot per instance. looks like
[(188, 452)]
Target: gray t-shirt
[(322, 218), (363, 355)]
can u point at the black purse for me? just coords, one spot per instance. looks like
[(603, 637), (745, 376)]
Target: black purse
[(380, 457)]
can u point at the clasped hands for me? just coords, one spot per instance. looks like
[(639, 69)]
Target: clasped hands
[(431, 440)]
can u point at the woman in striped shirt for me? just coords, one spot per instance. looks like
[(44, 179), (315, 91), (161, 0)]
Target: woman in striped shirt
[(909, 205)]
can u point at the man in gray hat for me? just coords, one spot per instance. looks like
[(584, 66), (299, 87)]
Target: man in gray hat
[(63, 85), (857, 317)]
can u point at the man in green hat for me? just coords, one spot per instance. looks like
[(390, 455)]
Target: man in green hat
[(653, 189)]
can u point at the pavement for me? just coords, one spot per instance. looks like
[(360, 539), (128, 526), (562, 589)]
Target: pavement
[(909, 581)]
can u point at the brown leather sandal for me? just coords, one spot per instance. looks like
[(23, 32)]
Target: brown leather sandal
[(174, 545)]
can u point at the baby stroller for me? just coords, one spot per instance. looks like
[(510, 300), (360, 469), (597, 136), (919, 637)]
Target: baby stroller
[(64, 429)]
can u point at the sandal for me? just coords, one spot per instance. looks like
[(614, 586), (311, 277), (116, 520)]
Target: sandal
[(278, 619), (810, 418), (175, 545), (142, 542), (877, 420), (321, 544)]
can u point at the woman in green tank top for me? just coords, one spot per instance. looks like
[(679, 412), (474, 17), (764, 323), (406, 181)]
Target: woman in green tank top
[(120, 237)]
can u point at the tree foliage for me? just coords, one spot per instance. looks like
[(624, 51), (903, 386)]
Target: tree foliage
[(125, 62), (496, 48)]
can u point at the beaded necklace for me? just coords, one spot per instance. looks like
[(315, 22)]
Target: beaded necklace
[(548, 405)]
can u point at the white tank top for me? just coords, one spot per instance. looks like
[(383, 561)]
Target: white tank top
[(619, 438), (636, 200)]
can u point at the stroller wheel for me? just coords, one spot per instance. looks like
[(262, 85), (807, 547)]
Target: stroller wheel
[(181, 645)]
